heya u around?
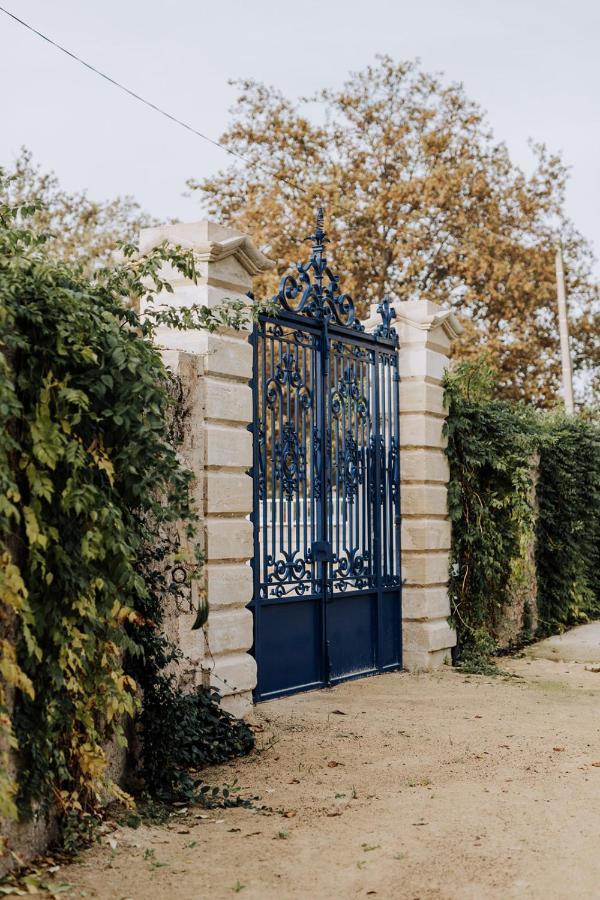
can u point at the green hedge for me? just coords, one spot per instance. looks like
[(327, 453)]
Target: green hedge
[(568, 524), (516, 474)]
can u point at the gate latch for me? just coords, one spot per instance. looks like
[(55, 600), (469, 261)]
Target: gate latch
[(321, 551)]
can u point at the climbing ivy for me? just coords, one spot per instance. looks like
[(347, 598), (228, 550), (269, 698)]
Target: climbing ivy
[(90, 480), (568, 527), (179, 731), (518, 477)]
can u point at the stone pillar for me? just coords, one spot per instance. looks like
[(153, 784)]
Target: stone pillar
[(214, 372), (425, 332)]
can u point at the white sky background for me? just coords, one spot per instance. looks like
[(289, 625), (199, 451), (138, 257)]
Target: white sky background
[(534, 65)]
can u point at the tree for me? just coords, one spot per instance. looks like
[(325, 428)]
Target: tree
[(421, 202), (80, 230)]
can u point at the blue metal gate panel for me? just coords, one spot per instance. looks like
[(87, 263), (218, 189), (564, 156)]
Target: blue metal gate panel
[(326, 512)]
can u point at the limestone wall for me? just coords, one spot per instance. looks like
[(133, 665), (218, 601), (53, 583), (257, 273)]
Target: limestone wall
[(214, 371), (425, 333)]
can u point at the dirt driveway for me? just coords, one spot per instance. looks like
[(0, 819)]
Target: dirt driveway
[(398, 786)]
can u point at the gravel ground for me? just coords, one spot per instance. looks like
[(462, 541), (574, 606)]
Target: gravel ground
[(398, 786)]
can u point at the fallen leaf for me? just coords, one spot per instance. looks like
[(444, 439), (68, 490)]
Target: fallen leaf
[(333, 764), (338, 712), (290, 813), (558, 749), (294, 781)]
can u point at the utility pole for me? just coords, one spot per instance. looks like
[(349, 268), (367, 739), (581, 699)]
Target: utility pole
[(563, 328)]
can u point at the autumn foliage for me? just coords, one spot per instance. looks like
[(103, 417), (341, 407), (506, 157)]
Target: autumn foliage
[(422, 202)]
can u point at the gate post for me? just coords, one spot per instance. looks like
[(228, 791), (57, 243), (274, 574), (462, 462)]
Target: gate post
[(215, 397), (425, 332)]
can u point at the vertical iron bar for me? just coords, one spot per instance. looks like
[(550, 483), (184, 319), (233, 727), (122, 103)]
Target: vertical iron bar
[(377, 508), (268, 441), (324, 510), (256, 563)]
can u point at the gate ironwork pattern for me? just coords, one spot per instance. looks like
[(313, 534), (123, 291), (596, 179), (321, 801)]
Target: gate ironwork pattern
[(326, 471)]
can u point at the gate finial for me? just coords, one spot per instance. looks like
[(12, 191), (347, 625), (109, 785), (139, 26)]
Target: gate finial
[(314, 290), (388, 314), (318, 237)]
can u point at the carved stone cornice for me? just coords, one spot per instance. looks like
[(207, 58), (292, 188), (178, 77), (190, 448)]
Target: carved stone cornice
[(210, 243), (423, 316)]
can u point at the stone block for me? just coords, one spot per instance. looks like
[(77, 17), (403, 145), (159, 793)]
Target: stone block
[(425, 603), (226, 400), (227, 356), (421, 396), (424, 661), (426, 534), (421, 362), (424, 466), (425, 568), (228, 584), (424, 499), (227, 446), (239, 705), (421, 430), (229, 630), (229, 539), (228, 492), (233, 673), (429, 636)]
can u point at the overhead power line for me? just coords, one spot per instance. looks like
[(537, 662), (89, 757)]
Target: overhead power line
[(149, 104)]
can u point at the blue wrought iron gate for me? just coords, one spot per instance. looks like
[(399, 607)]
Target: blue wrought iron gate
[(326, 512)]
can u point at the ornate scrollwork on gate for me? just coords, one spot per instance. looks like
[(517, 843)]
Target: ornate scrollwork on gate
[(290, 574), (290, 461), (394, 470), (314, 291), (351, 467), (317, 464), (352, 570), (288, 374), (347, 394), (317, 287)]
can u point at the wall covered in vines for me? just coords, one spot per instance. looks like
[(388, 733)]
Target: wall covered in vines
[(91, 495), (524, 502)]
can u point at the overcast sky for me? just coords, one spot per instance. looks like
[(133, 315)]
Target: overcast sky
[(534, 65)]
